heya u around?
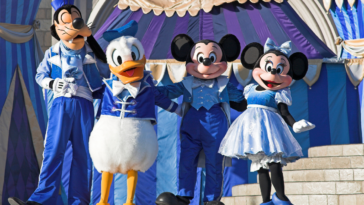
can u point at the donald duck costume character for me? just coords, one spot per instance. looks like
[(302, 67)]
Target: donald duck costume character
[(73, 69), (124, 140)]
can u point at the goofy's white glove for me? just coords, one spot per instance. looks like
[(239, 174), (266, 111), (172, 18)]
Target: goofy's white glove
[(302, 126), (65, 87)]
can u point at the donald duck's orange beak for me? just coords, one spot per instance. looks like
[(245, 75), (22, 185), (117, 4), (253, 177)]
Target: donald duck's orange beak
[(129, 71)]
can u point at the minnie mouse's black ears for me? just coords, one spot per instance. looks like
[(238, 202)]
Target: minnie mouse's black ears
[(230, 46), (251, 54), (181, 47), (299, 65)]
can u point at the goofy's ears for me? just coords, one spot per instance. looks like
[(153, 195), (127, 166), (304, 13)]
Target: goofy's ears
[(181, 47), (230, 46), (251, 54), (299, 65)]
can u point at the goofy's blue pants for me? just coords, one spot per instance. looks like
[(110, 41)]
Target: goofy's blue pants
[(70, 119), (202, 129)]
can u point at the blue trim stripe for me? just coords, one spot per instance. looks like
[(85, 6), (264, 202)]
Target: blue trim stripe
[(355, 21), (247, 28), (353, 105), (165, 37), (143, 25), (29, 14), (360, 15), (9, 65), (19, 13), (336, 76), (220, 28), (275, 28), (193, 29), (299, 110), (318, 110), (8, 12), (31, 76)]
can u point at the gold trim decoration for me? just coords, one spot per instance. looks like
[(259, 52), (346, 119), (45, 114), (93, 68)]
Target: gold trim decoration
[(176, 71), (242, 75), (158, 70), (313, 73), (355, 70), (16, 33), (178, 6)]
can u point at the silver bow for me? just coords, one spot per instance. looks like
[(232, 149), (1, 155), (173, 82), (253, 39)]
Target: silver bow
[(199, 82), (284, 48), (118, 87)]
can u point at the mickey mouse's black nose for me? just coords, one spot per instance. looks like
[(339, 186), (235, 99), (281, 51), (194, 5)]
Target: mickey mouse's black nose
[(78, 23), (206, 61)]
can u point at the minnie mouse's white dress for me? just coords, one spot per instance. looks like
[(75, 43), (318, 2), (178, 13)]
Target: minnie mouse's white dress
[(260, 133)]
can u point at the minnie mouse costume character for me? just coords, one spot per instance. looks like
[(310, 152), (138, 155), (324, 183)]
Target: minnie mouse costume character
[(72, 69), (124, 140), (206, 95), (261, 133)]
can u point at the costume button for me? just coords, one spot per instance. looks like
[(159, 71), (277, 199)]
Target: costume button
[(134, 112), (113, 109), (134, 102)]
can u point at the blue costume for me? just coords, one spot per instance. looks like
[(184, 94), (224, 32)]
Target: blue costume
[(70, 119), (260, 133), (205, 122)]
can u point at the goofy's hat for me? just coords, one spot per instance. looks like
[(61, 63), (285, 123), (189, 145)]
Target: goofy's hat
[(56, 4)]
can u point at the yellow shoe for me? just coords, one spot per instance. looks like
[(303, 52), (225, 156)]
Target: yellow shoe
[(102, 204), (129, 204)]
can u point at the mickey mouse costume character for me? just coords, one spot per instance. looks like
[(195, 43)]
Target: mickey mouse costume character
[(206, 95), (261, 133), (124, 140), (72, 69)]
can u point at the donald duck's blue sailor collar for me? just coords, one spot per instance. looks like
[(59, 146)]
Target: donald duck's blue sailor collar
[(56, 59), (144, 84), (222, 81)]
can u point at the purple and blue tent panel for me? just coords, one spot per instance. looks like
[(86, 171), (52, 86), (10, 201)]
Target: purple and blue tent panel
[(22, 170)]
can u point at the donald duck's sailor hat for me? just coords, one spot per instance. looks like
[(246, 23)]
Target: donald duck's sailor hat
[(130, 29)]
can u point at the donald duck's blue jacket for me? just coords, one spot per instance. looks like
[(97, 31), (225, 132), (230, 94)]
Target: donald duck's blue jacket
[(141, 107)]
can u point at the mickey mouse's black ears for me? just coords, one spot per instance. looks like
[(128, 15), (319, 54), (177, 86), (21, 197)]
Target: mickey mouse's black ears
[(230, 46), (251, 54), (181, 47), (299, 65)]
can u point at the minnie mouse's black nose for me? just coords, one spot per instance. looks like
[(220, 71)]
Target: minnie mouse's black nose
[(206, 61), (274, 71), (78, 23)]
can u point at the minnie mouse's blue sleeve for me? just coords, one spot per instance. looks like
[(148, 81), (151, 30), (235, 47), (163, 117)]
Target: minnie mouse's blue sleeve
[(172, 91), (160, 99), (235, 94)]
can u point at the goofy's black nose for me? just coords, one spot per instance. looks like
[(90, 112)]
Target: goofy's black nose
[(206, 61), (78, 23)]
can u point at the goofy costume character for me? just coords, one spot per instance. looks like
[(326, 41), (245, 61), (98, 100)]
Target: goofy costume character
[(73, 69), (124, 140)]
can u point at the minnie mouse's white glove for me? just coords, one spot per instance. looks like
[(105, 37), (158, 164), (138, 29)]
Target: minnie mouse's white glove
[(178, 110), (302, 126)]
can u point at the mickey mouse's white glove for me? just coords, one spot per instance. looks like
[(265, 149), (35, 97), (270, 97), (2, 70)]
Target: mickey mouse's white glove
[(302, 126), (178, 110)]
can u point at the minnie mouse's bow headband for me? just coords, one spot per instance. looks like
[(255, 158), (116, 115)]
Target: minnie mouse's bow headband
[(284, 48)]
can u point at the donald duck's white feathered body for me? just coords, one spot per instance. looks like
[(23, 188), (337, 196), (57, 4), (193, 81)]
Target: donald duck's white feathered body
[(124, 140)]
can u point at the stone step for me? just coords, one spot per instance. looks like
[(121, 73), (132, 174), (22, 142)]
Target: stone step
[(354, 199), (352, 162), (337, 150), (305, 188), (329, 175)]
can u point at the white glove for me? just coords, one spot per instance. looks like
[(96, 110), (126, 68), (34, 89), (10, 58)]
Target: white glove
[(65, 87), (178, 110), (302, 126)]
